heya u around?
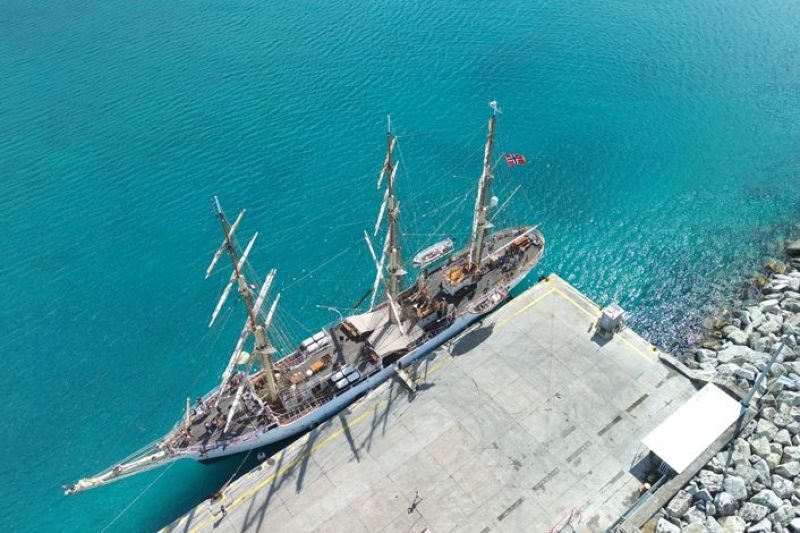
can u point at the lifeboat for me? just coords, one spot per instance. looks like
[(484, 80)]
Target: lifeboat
[(488, 301), (433, 252)]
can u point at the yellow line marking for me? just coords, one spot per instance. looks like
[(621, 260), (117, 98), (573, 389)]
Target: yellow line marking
[(620, 337), (637, 350), (569, 299), (281, 471), (507, 309), (576, 304), (525, 308), (447, 359)]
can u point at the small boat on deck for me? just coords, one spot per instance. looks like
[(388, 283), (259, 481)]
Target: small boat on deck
[(433, 253), (489, 301)]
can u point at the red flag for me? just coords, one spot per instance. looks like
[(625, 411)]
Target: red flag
[(513, 160)]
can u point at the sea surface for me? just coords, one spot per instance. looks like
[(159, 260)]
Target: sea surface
[(663, 147)]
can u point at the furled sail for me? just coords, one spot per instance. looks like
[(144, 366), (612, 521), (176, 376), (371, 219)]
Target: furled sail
[(232, 280)]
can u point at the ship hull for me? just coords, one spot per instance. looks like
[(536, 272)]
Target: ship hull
[(335, 405)]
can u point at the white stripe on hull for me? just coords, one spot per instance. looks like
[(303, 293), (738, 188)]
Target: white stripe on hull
[(336, 404)]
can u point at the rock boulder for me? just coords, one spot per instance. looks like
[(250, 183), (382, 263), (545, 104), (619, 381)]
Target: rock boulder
[(679, 504), (741, 452), (783, 515), (791, 453), (753, 512), (760, 445), (736, 486), (768, 499), (788, 470), (782, 487), (764, 526), (766, 429), (710, 480), (725, 503), (713, 526), (733, 524), (665, 526), (735, 335)]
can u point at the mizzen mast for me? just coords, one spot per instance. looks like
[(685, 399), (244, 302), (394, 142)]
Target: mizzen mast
[(480, 221), (263, 347)]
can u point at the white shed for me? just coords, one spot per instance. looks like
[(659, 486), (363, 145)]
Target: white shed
[(691, 429)]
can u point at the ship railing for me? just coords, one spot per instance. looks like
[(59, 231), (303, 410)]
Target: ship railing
[(290, 360), (447, 322), (206, 400), (306, 407), (203, 449)]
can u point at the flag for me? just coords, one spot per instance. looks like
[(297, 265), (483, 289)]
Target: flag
[(513, 160)]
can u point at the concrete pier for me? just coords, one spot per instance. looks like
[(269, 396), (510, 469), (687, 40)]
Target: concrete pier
[(527, 422)]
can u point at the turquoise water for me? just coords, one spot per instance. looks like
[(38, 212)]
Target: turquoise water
[(663, 143)]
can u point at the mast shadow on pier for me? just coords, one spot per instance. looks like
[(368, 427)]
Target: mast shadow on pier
[(258, 514), (349, 436), (380, 416), (207, 479), (381, 411), (293, 469), (306, 455), (190, 520), (420, 376), (258, 508)]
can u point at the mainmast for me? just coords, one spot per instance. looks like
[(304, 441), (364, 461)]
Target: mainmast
[(263, 347), (395, 267), (480, 221), (391, 246)]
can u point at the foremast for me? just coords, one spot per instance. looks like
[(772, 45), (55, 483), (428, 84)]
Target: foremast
[(480, 220), (164, 451), (263, 348)]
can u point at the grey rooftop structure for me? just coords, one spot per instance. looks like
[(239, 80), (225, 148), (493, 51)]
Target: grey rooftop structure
[(527, 422)]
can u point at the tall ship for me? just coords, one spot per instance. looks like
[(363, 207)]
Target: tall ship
[(265, 397)]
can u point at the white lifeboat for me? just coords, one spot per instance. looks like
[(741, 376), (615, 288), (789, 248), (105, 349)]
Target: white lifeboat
[(433, 252), (488, 301)]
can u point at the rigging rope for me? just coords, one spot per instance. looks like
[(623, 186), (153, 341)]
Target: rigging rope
[(419, 192), (305, 328), (454, 211), (326, 263), (159, 392), (280, 329), (125, 510), (163, 472), (212, 345), (241, 464), (505, 203)]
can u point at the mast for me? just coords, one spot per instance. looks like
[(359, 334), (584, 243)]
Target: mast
[(480, 221), (392, 247), (395, 267), (263, 347)]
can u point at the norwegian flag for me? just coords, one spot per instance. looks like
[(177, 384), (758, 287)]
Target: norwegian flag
[(513, 160)]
